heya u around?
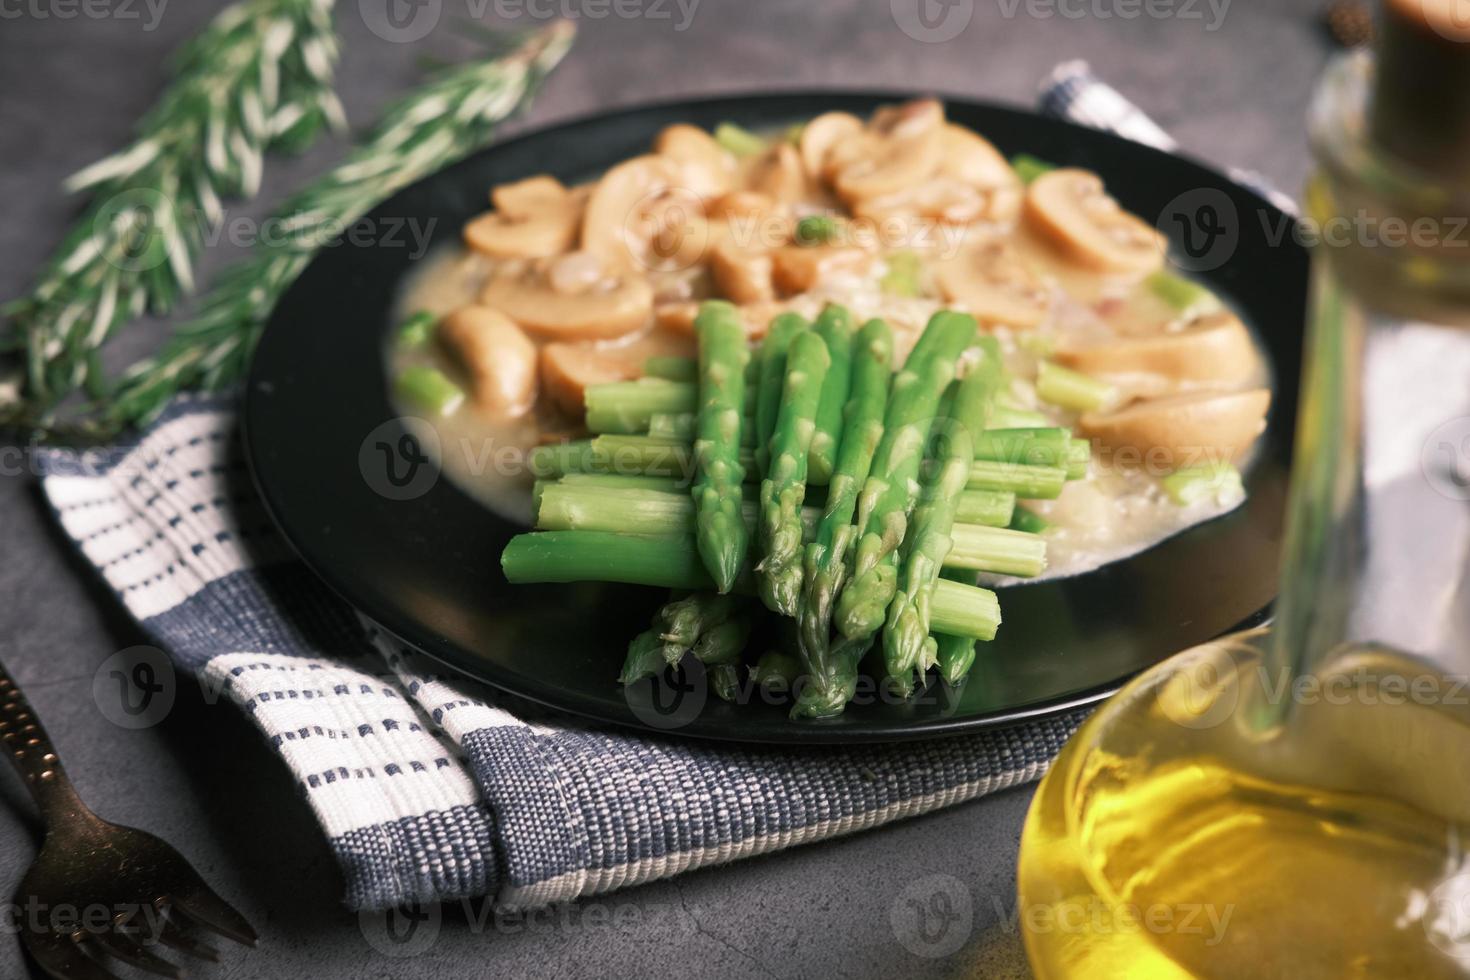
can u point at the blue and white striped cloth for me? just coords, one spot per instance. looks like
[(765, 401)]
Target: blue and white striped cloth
[(432, 788)]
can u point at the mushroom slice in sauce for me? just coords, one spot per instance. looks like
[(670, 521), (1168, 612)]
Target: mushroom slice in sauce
[(570, 297), (800, 268), (708, 168), (498, 357), (533, 218), (995, 284), (615, 226), (902, 146), (1189, 429), (779, 174), (568, 368), (820, 135), (1213, 347), (1072, 209)]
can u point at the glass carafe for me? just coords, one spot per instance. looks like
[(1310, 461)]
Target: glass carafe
[(1295, 801)]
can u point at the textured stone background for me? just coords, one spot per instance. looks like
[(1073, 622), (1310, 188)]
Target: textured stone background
[(69, 91)]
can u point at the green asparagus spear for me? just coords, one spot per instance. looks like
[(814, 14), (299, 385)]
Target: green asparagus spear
[(954, 654), (560, 458), (645, 657), (627, 406), (772, 377), (777, 672), (832, 679), (890, 492), (671, 561), (573, 506), (1025, 519), (672, 368), (723, 642), (784, 488), (907, 645), (682, 622), (834, 326), (719, 527)]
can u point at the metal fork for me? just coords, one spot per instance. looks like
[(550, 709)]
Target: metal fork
[(99, 892)]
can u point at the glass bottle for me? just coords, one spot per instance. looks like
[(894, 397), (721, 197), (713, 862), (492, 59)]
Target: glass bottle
[(1295, 802)]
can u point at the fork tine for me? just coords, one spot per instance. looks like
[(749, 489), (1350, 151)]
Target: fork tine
[(206, 909), (61, 958), (173, 936), (125, 948)]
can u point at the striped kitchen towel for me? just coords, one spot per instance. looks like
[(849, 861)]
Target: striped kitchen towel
[(431, 787)]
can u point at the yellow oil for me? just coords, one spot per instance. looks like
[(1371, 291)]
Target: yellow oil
[(1174, 837)]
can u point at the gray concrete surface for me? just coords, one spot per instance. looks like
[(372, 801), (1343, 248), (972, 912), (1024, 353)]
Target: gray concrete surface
[(70, 87)]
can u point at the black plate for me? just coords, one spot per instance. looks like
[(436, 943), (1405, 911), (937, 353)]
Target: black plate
[(427, 567)]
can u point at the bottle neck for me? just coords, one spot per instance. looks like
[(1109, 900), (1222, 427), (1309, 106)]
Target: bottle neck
[(1378, 541)]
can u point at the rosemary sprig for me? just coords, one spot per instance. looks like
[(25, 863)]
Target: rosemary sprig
[(454, 114), (258, 77)]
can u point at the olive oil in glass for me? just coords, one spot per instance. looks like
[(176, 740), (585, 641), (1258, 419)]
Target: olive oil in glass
[(1295, 802)]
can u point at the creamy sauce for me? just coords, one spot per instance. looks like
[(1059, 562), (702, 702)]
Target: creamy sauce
[(1116, 511)]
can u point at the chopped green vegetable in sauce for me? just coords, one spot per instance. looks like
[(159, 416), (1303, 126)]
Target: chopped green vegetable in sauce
[(817, 229), (902, 277), (738, 140), (417, 330), (1070, 389), (1182, 294), (429, 389), (1028, 167), (1220, 482)]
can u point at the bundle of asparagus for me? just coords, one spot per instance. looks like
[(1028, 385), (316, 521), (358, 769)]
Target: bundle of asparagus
[(872, 500)]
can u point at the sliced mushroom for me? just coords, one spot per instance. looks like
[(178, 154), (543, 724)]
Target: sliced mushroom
[(971, 159), (571, 297), (741, 275), (1071, 208), (995, 284), (756, 317), (533, 218), (799, 268), (615, 226), (901, 147), (708, 168), (821, 134), (1214, 347), (941, 200), (743, 204), (568, 368), (1187, 428), (498, 357), (779, 174)]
